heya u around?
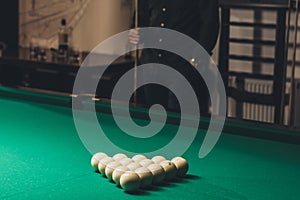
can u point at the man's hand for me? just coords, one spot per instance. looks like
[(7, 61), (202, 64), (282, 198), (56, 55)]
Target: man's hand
[(134, 37)]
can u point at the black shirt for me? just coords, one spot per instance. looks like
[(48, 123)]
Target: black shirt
[(198, 19)]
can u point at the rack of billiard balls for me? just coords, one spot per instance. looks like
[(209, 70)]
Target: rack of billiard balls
[(138, 171)]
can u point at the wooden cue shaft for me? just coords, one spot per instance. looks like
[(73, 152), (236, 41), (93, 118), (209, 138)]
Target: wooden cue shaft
[(136, 59), (291, 100), (286, 53)]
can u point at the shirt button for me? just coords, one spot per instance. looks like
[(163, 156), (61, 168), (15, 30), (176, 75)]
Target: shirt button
[(164, 9), (162, 25), (160, 40)]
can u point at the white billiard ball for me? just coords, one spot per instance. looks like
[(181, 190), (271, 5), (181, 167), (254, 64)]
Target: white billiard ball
[(110, 167), (118, 172), (126, 161), (138, 158), (95, 159), (181, 165), (158, 159), (169, 168), (102, 164), (145, 176), (130, 181), (119, 156), (146, 162), (157, 172), (133, 166)]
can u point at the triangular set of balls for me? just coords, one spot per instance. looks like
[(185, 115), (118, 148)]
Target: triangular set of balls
[(138, 171)]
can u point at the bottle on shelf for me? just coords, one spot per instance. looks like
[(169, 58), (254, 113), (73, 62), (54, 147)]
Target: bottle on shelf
[(63, 36), (64, 40)]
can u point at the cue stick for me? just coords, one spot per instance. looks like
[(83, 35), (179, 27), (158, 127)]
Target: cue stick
[(286, 53), (291, 100), (136, 53)]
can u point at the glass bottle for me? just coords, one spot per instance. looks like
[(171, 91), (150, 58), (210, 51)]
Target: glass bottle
[(63, 36)]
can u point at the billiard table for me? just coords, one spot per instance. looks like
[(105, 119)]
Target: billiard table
[(43, 157)]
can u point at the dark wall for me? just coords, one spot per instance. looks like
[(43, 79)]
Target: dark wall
[(9, 25)]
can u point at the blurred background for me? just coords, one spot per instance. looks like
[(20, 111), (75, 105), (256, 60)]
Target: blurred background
[(251, 48)]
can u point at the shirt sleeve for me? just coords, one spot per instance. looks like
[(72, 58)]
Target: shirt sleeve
[(143, 12), (209, 29)]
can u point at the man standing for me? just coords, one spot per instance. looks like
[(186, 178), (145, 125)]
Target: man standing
[(198, 19)]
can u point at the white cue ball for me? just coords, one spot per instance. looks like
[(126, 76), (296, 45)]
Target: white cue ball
[(130, 181), (118, 172), (119, 156), (102, 164), (126, 161), (145, 176), (181, 165), (158, 159), (146, 162), (138, 158), (133, 166), (157, 172), (169, 168), (95, 159), (110, 167)]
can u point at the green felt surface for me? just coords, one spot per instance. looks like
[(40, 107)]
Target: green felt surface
[(42, 157)]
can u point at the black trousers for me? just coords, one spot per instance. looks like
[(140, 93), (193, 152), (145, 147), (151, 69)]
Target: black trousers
[(156, 94)]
